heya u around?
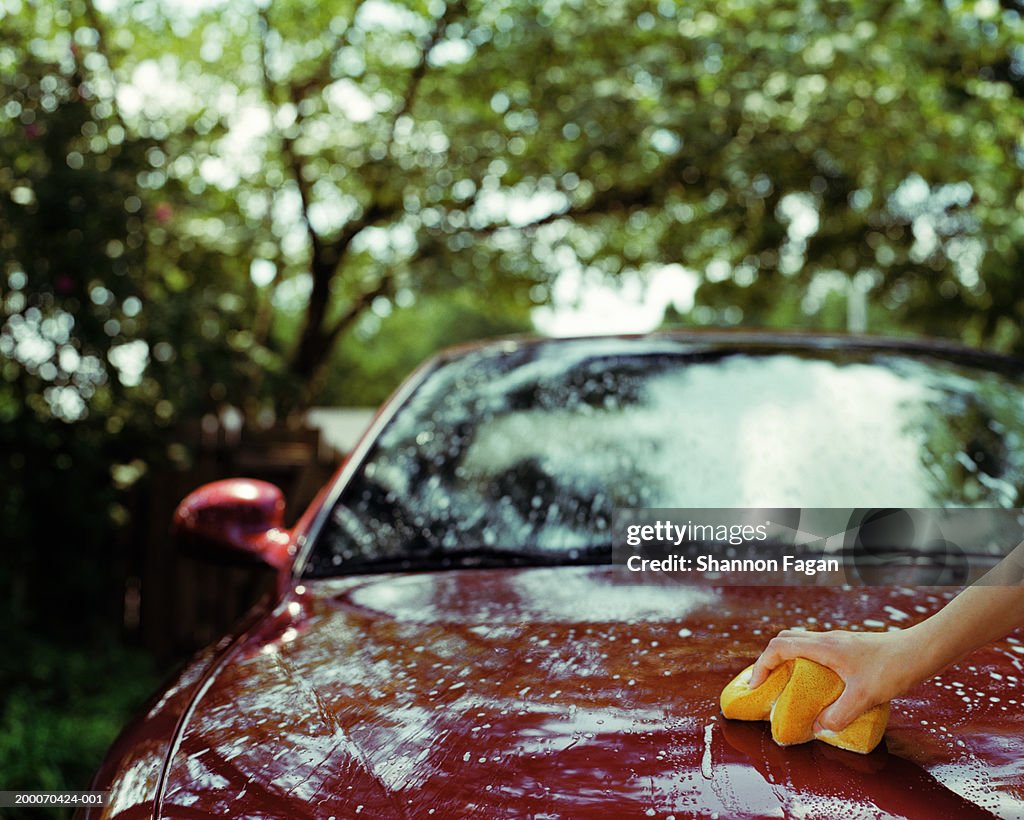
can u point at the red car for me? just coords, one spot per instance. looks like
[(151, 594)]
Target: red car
[(450, 639)]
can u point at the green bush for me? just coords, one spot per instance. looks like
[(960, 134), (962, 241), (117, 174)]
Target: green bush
[(63, 707)]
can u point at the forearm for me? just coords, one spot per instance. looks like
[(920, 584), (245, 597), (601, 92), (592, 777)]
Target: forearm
[(982, 613)]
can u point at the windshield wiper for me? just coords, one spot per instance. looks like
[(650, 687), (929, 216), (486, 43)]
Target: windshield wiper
[(478, 557)]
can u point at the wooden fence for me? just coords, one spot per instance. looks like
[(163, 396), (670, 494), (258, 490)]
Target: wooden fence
[(174, 603)]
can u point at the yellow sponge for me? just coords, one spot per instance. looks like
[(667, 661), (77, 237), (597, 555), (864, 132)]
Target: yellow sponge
[(792, 696)]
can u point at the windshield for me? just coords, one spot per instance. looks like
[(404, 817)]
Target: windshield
[(527, 451)]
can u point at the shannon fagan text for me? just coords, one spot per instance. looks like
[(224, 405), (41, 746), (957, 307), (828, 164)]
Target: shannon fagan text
[(666, 532), (708, 563)]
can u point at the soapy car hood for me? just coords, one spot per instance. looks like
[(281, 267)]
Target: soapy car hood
[(571, 691)]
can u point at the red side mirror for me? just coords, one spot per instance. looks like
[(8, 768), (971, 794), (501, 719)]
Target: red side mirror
[(238, 520)]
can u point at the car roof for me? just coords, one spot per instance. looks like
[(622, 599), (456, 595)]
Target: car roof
[(703, 340)]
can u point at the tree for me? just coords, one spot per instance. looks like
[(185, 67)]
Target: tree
[(392, 150)]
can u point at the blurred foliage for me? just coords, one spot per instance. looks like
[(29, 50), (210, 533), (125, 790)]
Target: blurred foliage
[(62, 708), (366, 368), (264, 205), (228, 193)]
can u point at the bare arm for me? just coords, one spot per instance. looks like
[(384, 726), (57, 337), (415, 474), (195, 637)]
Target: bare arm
[(877, 667)]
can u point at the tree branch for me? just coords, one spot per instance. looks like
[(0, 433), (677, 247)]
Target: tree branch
[(324, 343), (92, 16), (336, 249), (291, 157), (606, 202), (309, 348), (419, 71), (358, 305), (647, 194), (322, 73)]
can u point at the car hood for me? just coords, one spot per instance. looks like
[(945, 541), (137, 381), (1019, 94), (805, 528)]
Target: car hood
[(570, 691)]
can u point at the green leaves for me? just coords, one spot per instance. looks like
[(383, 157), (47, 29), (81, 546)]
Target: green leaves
[(363, 150)]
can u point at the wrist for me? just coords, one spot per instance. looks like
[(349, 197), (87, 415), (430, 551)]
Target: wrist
[(923, 651)]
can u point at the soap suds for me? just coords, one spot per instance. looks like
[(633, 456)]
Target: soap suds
[(705, 761)]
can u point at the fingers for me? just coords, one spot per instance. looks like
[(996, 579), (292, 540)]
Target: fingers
[(759, 675), (781, 648), (846, 709), (789, 644), (763, 666)]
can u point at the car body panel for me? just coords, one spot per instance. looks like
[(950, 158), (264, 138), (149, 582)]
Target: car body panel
[(134, 766), (572, 691)]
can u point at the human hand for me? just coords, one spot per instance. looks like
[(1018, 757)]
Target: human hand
[(875, 667)]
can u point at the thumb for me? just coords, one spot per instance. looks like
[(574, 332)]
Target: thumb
[(839, 714)]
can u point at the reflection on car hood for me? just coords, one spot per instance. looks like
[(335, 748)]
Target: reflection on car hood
[(572, 691)]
